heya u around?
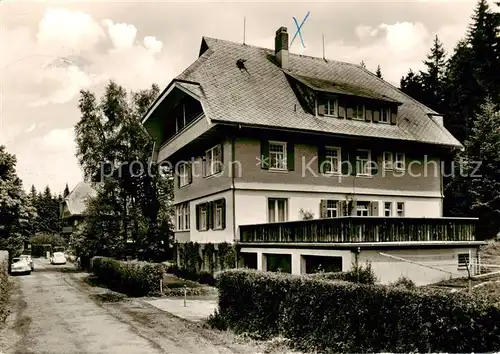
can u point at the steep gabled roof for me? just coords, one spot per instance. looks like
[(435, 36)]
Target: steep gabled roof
[(261, 95), (76, 199)]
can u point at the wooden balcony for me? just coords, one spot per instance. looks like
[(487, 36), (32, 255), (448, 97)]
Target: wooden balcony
[(355, 229)]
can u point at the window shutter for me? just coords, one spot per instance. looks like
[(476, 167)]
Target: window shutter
[(178, 177), (210, 215), (394, 117), (321, 109), (346, 169), (205, 164), (350, 113), (223, 201), (354, 163), (368, 115), (322, 209), (353, 210), (190, 172), (264, 154), (290, 156), (342, 208), (321, 159), (198, 217), (374, 208), (341, 111), (376, 115), (374, 163), (219, 158)]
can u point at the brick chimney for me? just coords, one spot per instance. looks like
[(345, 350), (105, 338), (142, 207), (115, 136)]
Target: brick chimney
[(281, 47)]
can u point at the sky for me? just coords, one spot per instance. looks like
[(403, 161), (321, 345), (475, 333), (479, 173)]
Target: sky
[(51, 50)]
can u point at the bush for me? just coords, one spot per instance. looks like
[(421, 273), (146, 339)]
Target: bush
[(206, 278), (404, 282), (5, 289), (324, 316), (131, 278), (357, 274)]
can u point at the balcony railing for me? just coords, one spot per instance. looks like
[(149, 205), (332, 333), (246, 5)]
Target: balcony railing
[(361, 229)]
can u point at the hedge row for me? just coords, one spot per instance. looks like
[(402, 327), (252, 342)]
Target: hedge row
[(357, 274), (202, 277), (332, 317), (5, 288), (131, 278)]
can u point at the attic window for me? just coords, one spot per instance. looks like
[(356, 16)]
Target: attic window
[(328, 107)]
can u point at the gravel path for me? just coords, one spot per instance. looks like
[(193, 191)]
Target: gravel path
[(54, 311)]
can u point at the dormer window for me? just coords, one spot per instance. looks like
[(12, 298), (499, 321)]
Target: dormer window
[(358, 112), (385, 115), (328, 107)]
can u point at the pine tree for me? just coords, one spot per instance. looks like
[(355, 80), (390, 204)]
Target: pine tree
[(483, 153), (362, 64), (412, 85), (66, 191), (379, 72), (33, 193), (433, 78)]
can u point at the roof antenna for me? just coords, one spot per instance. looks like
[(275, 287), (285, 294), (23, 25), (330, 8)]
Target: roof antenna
[(244, 28), (323, 35)]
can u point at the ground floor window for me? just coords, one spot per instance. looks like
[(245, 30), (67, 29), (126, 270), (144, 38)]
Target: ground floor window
[(279, 263), (182, 217), (400, 209), (463, 260), (249, 260), (316, 264), (387, 209)]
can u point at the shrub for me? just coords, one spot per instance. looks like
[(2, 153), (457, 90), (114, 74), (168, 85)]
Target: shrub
[(131, 278), (324, 316), (206, 278), (5, 289), (357, 274), (404, 282)]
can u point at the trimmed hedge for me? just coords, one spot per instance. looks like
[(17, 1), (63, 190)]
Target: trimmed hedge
[(332, 317), (131, 278), (5, 287), (202, 277), (357, 274)]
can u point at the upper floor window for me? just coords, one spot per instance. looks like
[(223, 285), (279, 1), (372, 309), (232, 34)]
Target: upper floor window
[(184, 174), (388, 160), (328, 107), (213, 160), (387, 209), (363, 162), (385, 115), (277, 209), (332, 208), (333, 159), (277, 155), (400, 209), (363, 208), (399, 161)]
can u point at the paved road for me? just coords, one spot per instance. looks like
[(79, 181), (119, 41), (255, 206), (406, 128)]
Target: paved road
[(55, 311)]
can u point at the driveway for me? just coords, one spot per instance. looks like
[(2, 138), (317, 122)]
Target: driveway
[(54, 311)]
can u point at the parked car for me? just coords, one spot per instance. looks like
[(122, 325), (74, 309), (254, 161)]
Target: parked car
[(20, 266), (28, 259), (58, 258)]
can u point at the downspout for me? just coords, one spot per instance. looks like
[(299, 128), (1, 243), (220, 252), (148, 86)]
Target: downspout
[(233, 140)]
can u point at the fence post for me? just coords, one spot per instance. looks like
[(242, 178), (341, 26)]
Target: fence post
[(161, 286), (185, 295)]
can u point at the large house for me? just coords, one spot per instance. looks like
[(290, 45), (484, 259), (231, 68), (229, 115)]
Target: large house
[(72, 208), (308, 163)]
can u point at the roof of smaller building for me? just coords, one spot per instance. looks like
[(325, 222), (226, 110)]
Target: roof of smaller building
[(76, 199)]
